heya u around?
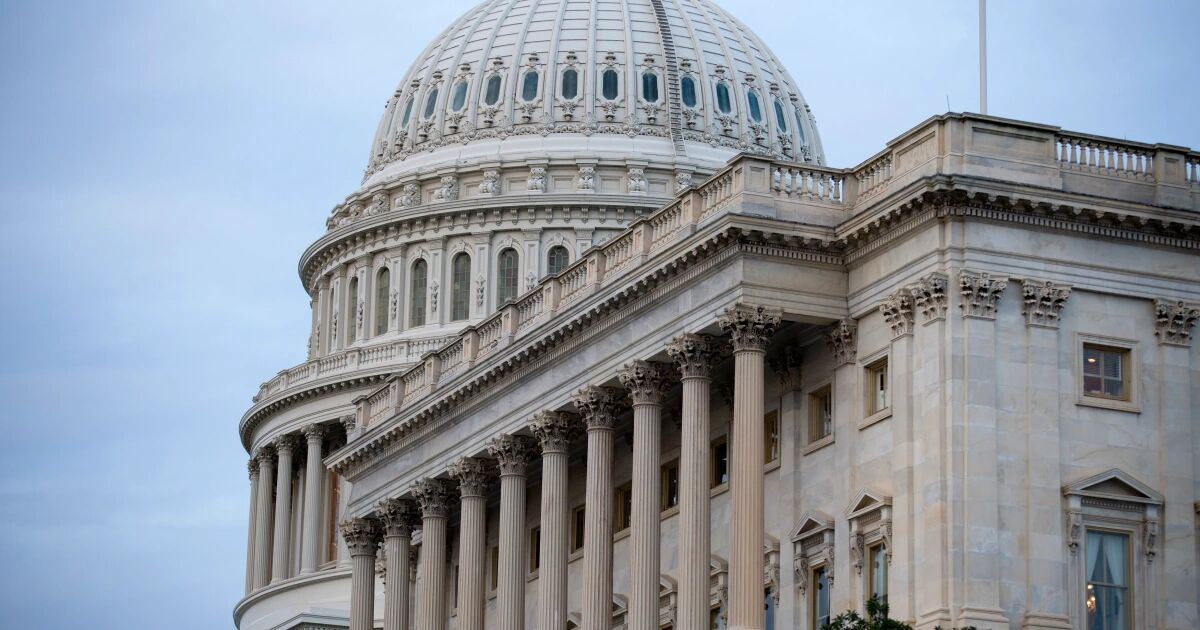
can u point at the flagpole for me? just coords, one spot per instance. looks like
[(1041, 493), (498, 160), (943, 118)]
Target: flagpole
[(983, 57)]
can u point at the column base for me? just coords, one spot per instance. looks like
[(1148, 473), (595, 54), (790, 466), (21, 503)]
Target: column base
[(1045, 621), (936, 618), (983, 618)]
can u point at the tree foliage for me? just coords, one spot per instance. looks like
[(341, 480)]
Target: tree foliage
[(876, 619)]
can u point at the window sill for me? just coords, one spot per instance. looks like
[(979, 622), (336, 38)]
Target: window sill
[(771, 466), (1108, 403), (719, 489), (669, 512), (878, 416), (818, 445), (621, 535)]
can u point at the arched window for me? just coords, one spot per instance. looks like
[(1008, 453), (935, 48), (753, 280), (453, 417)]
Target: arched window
[(557, 259), (383, 284), (723, 103), (570, 84), (459, 99), (687, 89), (460, 287), (650, 87), (507, 276), (609, 84), (431, 103), (352, 311), (754, 106), (407, 113), (491, 96), (529, 86), (780, 118), (420, 285)]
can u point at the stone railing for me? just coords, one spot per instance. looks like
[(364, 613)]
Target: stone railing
[(1105, 156), (810, 183), (1192, 173), (382, 403)]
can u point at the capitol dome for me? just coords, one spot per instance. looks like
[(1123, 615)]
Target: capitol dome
[(676, 82)]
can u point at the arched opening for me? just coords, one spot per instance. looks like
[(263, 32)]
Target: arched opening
[(352, 312), (420, 286), (507, 276), (460, 287), (557, 259), (383, 283)]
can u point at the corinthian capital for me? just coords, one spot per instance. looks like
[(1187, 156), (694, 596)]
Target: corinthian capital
[(929, 296), (252, 467), (695, 354), (473, 475), (399, 516), (786, 365), (897, 311), (750, 327), (313, 433), (646, 381), (285, 444), (1042, 302), (599, 406), (434, 495), (842, 339), (265, 455), (1173, 321), (513, 453), (554, 430), (980, 293), (362, 535)]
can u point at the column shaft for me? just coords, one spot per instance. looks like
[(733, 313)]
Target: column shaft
[(644, 558), (262, 526), (472, 567), (552, 574), (362, 537), (512, 452), (283, 511), (431, 609), (395, 596), (597, 533), (746, 542), (694, 521), (250, 528), (313, 506)]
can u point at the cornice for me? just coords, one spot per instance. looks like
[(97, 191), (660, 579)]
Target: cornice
[(260, 412), (300, 581)]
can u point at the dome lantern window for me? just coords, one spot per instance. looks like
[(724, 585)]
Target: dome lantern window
[(723, 102), (780, 118), (754, 106), (529, 86), (650, 87), (687, 90), (609, 85), (431, 103), (492, 93), (570, 84), (458, 99)]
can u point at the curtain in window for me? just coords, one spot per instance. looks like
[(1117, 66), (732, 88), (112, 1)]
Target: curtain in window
[(1107, 588)]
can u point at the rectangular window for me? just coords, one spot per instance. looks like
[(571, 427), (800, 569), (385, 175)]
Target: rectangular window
[(771, 436), (820, 419), (1107, 595), (877, 386), (535, 549), (820, 597), (1105, 372), (877, 578), (720, 461), (622, 514), (494, 576), (670, 484), (577, 523)]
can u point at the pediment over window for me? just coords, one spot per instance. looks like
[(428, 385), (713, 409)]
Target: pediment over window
[(811, 522), (1115, 485), (867, 501)]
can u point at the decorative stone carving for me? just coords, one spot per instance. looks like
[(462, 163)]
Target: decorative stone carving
[(448, 191), (586, 182), (695, 354), (362, 535), (599, 406), (410, 196), (379, 204), (842, 339), (433, 296), (285, 444), (857, 551), (750, 326), (393, 305), (512, 453), (1150, 538), (435, 496), (1074, 531), (554, 430), (636, 180), (360, 311), (929, 296), (683, 181), (480, 290), (399, 517), (530, 280), (1042, 302), (265, 455), (537, 179), (646, 381), (348, 423), (1173, 321), (800, 569), (897, 311), (786, 365), (473, 475), (491, 183), (252, 466), (313, 432), (980, 293)]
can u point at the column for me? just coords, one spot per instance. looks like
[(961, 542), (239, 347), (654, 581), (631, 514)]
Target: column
[(473, 476), (314, 478), (252, 468), (695, 356), (553, 430), (362, 537), (262, 513), (320, 335), (599, 407), (513, 453), (283, 508), (647, 384), (400, 517), (750, 328), (434, 497)]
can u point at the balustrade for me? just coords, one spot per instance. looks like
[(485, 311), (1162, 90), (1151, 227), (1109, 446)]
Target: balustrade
[(807, 183), (1105, 157)]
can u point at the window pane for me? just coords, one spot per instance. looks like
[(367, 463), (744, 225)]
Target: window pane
[(650, 87), (529, 86), (1112, 365), (556, 259), (723, 99), (755, 108), (768, 610), (687, 89), (720, 469), (1091, 361), (460, 289), (879, 573), (430, 103), (506, 277), (780, 119), (352, 311), (493, 90), (407, 113), (383, 281), (821, 597), (608, 82), (570, 84), (416, 314), (1108, 580), (460, 96)]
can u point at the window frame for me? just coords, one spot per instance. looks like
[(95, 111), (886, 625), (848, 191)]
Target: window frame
[(493, 569), (566, 258), (464, 85), (418, 316), (534, 561), (665, 471), (823, 390), (352, 297), (713, 483), (1131, 368), (695, 92), (1130, 559), (616, 84), (483, 94), (872, 549), (516, 268), (870, 367), (537, 87), (562, 83), (460, 296), (781, 123), (383, 294), (772, 416), (754, 101), (578, 528), (429, 110), (814, 597), (649, 77), (729, 109)]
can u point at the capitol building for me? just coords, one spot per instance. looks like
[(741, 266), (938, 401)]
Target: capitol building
[(601, 341)]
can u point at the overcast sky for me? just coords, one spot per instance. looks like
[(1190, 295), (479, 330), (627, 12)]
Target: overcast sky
[(164, 163)]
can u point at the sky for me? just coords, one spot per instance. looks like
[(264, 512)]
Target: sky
[(164, 164)]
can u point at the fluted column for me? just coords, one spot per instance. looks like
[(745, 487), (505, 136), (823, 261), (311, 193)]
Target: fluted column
[(646, 383), (599, 407), (695, 355), (252, 468), (512, 452), (400, 517), (553, 430), (434, 496), (314, 481), (362, 536), (750, 328), (473, 476), (283, 508), (262, 514)]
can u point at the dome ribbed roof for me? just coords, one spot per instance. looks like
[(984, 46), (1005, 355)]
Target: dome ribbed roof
[(671, 80)]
